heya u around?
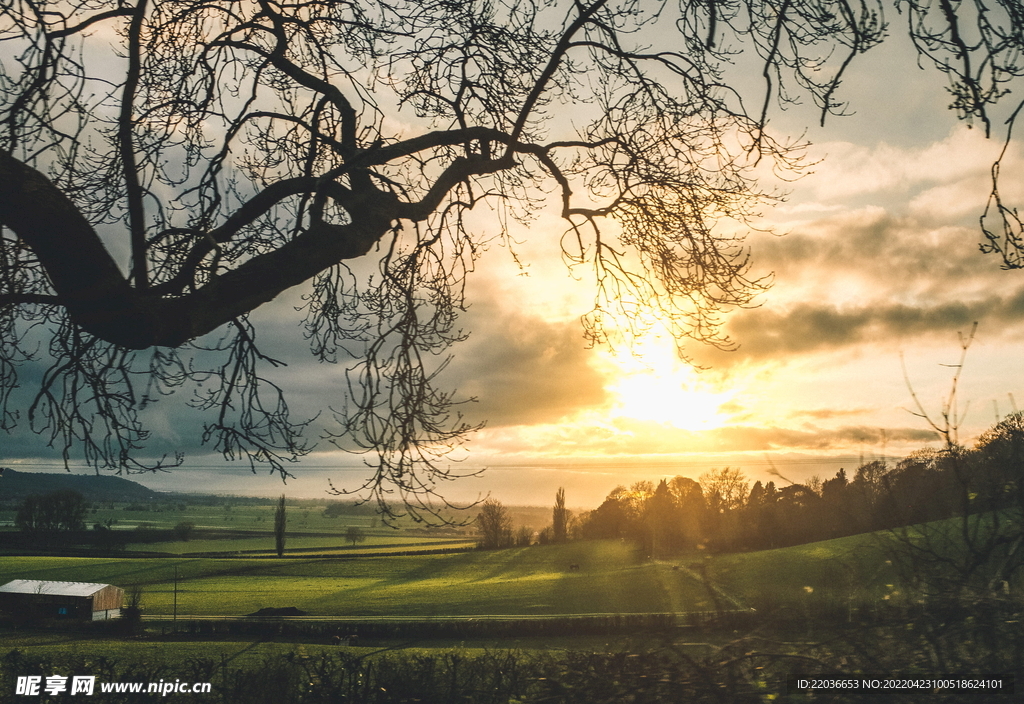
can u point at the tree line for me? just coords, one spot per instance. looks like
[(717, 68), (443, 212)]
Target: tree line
[(721, 511)]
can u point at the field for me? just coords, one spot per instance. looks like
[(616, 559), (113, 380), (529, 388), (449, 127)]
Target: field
[(526, 582), (520, 581), (787, 608)]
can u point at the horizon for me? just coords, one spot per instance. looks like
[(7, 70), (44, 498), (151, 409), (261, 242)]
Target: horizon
[(586, 483)]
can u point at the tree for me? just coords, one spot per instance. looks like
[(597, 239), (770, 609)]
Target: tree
[(662, 531), (280, 521), (960, 578), (183, 530), (58, 511), (495, 525), (689, 498), (354, 535), (609, 520), (334, 510), (29, 514), (559, 518), (131, 617), (237, 150), (523, 537), (730, 485)]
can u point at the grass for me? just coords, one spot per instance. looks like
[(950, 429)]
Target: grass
[(232, 516), (509, 582), (802, 582), (241, 652), (518, 581), (322, 544), (846, 570)]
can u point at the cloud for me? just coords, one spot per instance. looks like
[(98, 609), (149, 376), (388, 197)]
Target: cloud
[(829, 413), (627, 437), (958, 164), (879, 252), (867, 276), (522, 369), (809, 327)]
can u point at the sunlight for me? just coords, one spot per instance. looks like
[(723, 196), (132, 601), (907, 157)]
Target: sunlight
[(667, 398), (657, 386)]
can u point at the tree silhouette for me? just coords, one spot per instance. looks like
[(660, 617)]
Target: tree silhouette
[(58, 511), (354, 534), (154, 195), (280, 525), (559, 518), (494, 524)]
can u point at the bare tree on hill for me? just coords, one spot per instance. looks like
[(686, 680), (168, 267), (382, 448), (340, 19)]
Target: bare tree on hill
[(495, 525), (166, 168)]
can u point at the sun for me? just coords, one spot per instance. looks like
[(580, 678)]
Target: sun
[(657, 386), (667, 398)]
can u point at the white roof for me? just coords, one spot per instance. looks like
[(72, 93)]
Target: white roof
[(38, 586)]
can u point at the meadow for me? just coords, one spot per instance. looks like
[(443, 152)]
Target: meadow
[(612, 578), (796, 601), (237, 527)]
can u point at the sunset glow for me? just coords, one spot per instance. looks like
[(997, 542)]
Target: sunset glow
[(654, 385), (668, 398), (870, 261)]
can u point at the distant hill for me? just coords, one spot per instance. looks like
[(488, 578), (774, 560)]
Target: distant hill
[(15, 486)]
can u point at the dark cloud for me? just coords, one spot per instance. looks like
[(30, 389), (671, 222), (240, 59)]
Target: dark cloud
[(523, 370), (765, 333), (520, 368), (870, 277), (893, 252), (748, 438)]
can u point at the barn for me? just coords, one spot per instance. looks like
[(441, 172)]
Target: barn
[(80, 601)]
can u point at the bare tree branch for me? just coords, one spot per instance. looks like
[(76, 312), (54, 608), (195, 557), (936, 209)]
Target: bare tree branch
[(237, 150)]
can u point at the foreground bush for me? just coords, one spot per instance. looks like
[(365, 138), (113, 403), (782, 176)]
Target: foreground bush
[(746, 671)]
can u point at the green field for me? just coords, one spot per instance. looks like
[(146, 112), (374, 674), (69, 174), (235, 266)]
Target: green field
[(823, 603), (321, 545), (236, 527), (519, 581)]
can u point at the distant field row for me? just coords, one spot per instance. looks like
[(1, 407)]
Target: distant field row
[(231, 516), (322, 545), (240, 528), (537, 580)]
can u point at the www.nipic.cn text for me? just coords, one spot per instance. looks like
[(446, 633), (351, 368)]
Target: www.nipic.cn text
[(37, 685)]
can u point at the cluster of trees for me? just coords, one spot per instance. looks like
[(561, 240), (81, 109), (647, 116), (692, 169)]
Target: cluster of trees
[(496, 526), (56, 511), (183, 530), (722, 511)]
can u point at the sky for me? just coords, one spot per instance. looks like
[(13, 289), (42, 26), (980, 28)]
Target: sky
[(875, 271)]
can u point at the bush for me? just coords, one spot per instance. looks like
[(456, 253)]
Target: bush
[(183, 531)]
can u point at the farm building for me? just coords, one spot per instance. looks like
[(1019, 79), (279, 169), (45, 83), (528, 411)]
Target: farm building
[(81, 601)]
